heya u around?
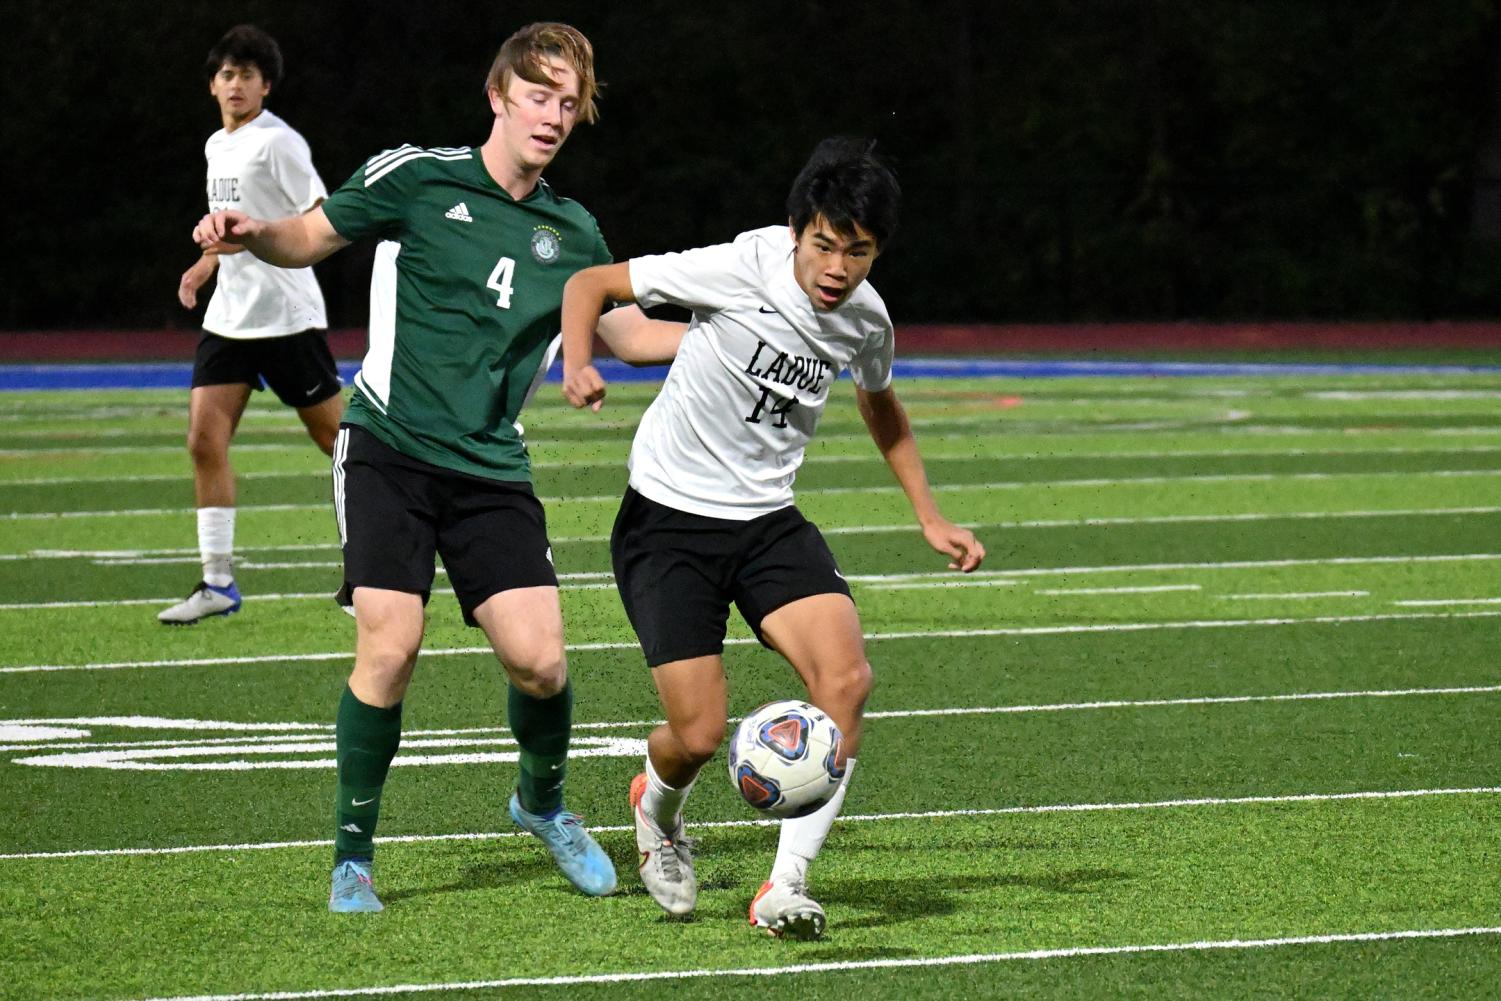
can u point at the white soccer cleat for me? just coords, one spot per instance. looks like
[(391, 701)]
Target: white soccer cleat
[(205, 601), (784, 909), (666, 859)]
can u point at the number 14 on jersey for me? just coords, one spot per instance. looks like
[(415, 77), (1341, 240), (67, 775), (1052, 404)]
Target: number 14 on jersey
[(771, 405)]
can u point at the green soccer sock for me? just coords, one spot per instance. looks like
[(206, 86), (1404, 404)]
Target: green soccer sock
[(366, 740), (541, 727)]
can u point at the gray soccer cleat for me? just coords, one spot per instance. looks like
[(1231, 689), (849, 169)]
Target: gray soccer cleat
[(205, 601), (784, 909), (666, 859)]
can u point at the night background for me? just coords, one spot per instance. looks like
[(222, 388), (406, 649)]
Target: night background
[(1062, 161)]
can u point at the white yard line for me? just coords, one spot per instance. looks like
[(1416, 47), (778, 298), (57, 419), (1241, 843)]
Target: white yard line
[(910, 963), (1091, 484), (1295, 595), (1062, 630), (980, 578), (816, 460), (858, 818), (130, 556), (1154, 589), (27, 453), (940, 584), (1213, 565), (314, 731), (1430, 602), (1054, 428)]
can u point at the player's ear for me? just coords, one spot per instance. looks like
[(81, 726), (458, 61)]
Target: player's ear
[(792, 228), (497, 101)]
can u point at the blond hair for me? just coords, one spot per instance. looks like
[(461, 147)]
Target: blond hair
[(524, 55)]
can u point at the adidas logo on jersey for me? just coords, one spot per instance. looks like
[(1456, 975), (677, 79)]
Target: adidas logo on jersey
[(459, 212)]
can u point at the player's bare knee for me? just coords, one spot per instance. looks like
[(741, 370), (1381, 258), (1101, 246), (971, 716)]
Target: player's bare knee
[(700, 739), (381, 675), (541, 678), (205, 448), (848, 686)]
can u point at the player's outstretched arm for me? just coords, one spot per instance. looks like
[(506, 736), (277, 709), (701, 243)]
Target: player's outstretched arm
[(294, 242), (637, 339), (888, 425), (584, 299)]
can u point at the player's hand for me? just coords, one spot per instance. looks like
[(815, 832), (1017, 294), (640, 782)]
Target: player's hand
[(959, 544), (584, 387), (227, 226), (192, 280)]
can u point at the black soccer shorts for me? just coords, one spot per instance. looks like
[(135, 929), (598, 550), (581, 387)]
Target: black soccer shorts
[(396, 512), (678, 573), (299, 368)]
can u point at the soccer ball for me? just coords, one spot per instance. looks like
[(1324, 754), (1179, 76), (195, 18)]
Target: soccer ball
[(782, 758)]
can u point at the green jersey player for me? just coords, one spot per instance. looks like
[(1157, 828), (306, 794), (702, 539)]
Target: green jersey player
[(464, 303)]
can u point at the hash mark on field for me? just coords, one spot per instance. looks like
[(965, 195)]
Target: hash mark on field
[(931, 584), (1153, 589), (1298, 595), (858, 818), (1427, 602)]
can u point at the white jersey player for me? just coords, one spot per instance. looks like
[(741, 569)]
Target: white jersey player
[(264, 169), (264, 325), (708, 519)]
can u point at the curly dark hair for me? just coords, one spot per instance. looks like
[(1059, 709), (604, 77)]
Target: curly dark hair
[(244, 45)]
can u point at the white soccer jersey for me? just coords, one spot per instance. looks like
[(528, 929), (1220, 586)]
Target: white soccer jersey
[(726, 434), (264, 169)]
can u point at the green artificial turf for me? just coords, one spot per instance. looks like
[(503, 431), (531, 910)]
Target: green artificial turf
[(1227, 675)]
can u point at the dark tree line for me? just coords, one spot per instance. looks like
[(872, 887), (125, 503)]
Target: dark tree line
[(1062, 159)]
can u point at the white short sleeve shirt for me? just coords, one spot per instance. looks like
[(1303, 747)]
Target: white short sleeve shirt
[(725, 436), (264, 169)]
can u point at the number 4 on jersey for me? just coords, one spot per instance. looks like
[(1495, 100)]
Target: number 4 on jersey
[(500, 281), (779, 408)]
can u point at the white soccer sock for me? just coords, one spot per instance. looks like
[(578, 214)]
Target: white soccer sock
[(661, 802), (802, 838), (216, 544)]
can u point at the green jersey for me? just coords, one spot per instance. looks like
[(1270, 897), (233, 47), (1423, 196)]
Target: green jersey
[(465, 297)]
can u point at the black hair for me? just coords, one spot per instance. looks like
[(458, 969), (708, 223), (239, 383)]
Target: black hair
[(242, 45), (846, 182)]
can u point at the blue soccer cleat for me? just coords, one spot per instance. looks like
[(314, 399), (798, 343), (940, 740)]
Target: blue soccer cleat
[(352, 891), (205, 601), (579, 856)]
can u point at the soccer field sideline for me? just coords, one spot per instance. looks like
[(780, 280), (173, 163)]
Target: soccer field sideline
[(833, 967)]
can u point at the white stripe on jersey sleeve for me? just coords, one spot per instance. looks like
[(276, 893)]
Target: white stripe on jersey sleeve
[(389, 154), (371, 178)]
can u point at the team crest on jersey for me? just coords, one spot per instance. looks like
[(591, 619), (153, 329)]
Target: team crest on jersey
[(547, 244)]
